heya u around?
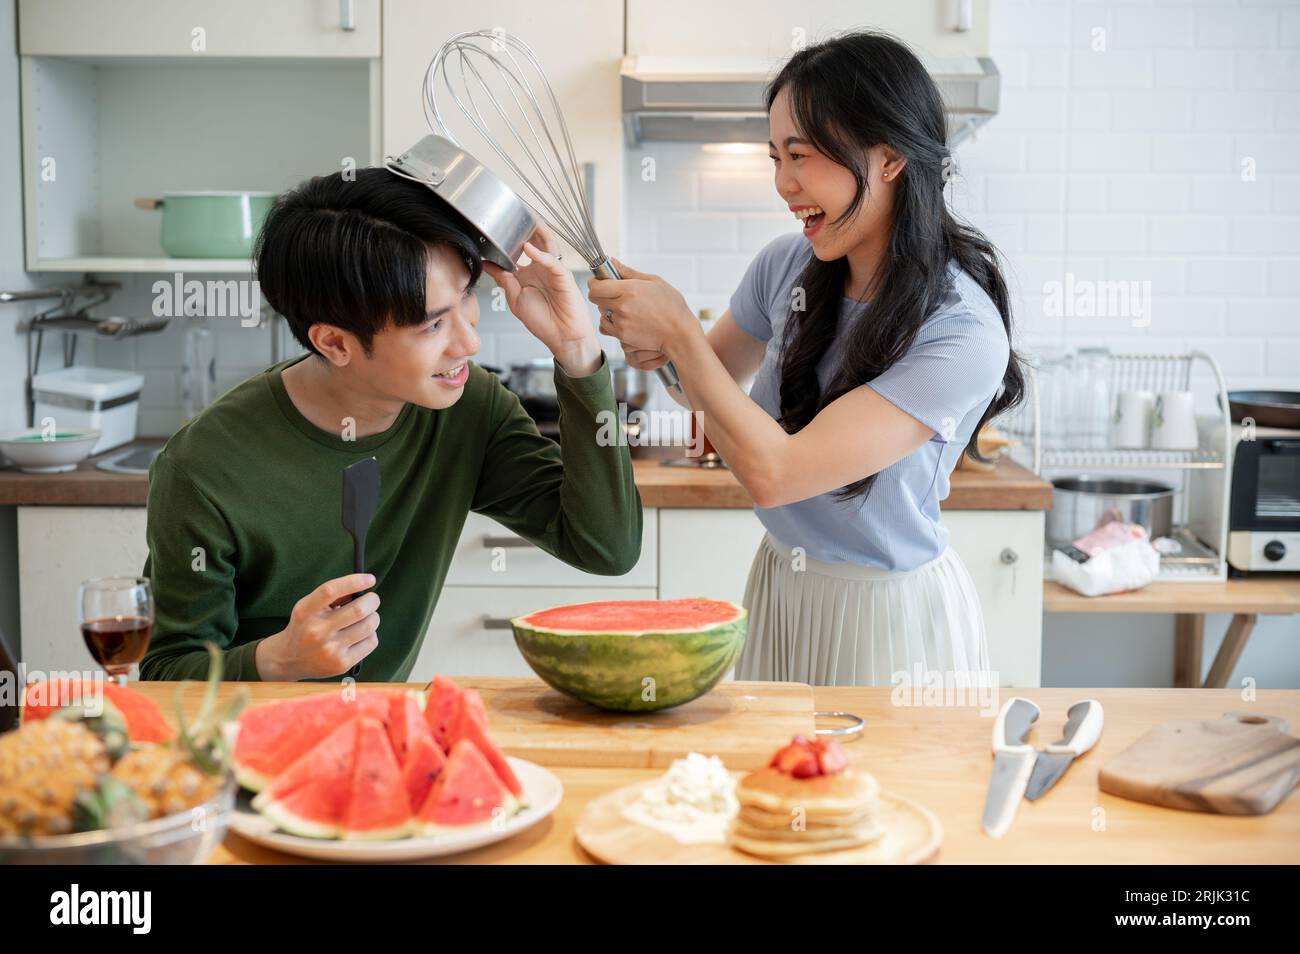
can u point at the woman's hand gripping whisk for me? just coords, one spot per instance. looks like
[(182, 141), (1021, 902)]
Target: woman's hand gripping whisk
[(546, 299)]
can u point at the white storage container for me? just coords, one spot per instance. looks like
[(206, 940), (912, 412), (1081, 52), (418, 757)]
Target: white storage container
[(90, 398)]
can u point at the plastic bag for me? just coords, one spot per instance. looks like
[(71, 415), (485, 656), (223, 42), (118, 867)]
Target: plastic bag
[(1120, 558)]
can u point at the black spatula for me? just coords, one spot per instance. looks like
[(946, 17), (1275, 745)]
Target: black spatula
[(360, 501)]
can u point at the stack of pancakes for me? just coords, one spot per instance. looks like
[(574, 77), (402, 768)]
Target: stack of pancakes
[(781, 815)]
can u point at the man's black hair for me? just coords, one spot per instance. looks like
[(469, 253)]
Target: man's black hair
[(354, 252)]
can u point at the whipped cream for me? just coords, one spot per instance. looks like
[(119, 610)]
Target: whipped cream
[(694, 801)]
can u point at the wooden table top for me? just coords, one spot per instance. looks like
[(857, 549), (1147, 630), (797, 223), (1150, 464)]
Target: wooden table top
[(1006, 487), (1270, 594), (940, 757)]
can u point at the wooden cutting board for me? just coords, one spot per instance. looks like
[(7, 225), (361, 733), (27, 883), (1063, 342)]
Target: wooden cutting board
[(1239, 764), (741, 722)]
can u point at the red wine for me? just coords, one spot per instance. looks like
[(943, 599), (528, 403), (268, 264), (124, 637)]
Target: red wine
[(117, 641)]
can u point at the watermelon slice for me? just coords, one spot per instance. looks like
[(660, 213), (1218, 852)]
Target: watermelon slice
[(144, 720), (378, 806), (420, 756), (468, 792), (314, 802), (406, 723), (424, 762), (272, 736), (471, 724), (442, 709), (331, 757)]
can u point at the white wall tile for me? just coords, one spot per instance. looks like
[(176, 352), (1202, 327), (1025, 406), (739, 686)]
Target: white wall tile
[(1187, 69), (1264, 316), (1236, 29), (1113, 69), (1189, 233), (1149, 111), (1148, 193), (1227, 276)]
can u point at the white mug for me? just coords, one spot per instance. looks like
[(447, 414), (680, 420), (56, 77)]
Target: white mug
[(1132, 424), (1173, 422)]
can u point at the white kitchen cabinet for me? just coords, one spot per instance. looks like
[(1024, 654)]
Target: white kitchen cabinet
[(199, 28), (706, 552), (1003, 550), (490, 555), (579, 44), (685, 553), (769, 30), (470, 634), (58, 548), (709, 552)]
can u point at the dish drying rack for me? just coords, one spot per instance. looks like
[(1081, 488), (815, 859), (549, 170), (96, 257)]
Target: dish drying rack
[(1200, 477)]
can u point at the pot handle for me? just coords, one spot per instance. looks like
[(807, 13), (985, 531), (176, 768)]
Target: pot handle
[(854, 723), (148, 204)]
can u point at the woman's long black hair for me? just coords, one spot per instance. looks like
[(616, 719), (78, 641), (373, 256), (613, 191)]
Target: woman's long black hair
[(848, 94)]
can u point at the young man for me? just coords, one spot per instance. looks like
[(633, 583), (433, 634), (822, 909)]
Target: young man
[(246, 548)]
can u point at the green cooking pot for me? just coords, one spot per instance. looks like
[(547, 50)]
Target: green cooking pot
[(210, 224)]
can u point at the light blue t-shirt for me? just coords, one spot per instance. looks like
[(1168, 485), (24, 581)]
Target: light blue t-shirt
[(945, 380)]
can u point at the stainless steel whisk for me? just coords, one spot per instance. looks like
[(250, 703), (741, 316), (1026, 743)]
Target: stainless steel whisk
[(495, 79)]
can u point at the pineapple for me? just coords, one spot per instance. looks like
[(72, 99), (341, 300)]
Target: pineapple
[(43, 766), (166, 780), (78, 772), (186, 773)]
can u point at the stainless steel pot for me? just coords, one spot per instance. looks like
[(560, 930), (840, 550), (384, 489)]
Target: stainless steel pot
[(493, 214), (1081, 504)]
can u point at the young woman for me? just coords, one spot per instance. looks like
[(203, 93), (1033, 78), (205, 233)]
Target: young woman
[(880, 341)]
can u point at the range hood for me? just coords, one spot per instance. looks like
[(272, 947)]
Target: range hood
[(688, 99)]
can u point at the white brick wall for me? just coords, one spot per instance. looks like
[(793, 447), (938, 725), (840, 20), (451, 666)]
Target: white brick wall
[(1118, 154), (1123, 161)]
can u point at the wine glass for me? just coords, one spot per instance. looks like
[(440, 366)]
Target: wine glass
[(116, 622)]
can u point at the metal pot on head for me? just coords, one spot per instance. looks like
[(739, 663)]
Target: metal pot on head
[(490, 210)]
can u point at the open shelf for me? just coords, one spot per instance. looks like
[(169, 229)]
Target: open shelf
[(127, 263), (99, 133)]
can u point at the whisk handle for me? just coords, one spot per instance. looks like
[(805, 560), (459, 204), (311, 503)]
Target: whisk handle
[(667, 373)]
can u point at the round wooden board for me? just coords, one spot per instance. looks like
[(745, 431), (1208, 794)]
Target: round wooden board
[(912, 836)]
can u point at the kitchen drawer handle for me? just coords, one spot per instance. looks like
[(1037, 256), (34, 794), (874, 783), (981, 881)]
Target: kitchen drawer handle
[(496, 622), (1008, 556), (491, 542), (347, 19), (855, 726)]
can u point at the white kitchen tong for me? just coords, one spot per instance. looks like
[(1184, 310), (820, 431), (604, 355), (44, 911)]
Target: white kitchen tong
[(1021, 770)]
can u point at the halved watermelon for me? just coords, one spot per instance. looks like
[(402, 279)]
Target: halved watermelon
[(468, 792), (144, 719), (633, 655), (273, 735), (378, 806), (314, 802), (471, 724)]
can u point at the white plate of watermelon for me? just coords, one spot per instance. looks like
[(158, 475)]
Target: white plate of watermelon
[(381, 775)]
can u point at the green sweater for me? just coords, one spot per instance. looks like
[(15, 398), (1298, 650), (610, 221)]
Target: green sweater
[(245, 502)]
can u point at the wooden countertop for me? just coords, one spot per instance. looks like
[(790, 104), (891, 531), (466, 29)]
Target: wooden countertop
[(1274, 593), (940, 756), (1007, 487)]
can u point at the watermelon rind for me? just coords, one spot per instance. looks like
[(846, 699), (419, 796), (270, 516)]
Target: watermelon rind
[(643, 670), (295, 824), (426, 829)]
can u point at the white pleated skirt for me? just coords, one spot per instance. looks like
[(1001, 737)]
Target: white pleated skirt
[(841, 624)]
